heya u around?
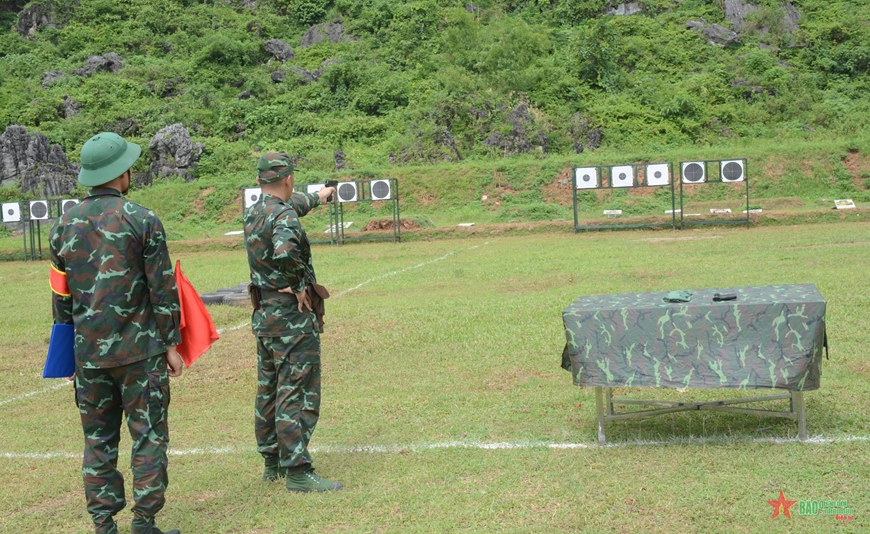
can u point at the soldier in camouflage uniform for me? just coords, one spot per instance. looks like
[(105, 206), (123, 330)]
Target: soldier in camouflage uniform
[(288, 342), (112, 279)]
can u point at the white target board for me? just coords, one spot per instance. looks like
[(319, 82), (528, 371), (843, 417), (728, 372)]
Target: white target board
[(657, 174), (11, 212), (381, 190), (38, 210), (622, 176), (347, 192), (314, 188), (732, 171), (693, 172), (252, 195), (586, 177), (67, 204)]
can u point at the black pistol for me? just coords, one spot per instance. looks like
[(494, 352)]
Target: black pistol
[(330, 183)]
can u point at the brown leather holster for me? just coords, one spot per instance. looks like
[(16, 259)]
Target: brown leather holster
[(256, 299), (316, 295)]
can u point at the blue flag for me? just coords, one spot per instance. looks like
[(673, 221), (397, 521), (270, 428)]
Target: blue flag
[(61, 359)]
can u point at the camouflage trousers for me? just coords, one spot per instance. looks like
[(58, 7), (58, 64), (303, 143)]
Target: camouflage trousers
[(141, 391), (288, 398)]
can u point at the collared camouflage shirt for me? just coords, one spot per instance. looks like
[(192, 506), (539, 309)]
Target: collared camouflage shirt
[(279, 256), (122, 298)]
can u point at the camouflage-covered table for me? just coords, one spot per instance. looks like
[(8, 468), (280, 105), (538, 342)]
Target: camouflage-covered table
[(770, 337)]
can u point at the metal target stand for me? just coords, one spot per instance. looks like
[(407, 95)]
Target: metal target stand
[(378, 190), (623, 177), (28, 215), (702, 172)]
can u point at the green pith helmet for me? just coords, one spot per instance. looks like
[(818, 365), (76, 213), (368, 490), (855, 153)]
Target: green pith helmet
[(272, 166), (105, 157)]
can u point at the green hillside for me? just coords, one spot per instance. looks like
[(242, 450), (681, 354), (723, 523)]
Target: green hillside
[(506, 90)]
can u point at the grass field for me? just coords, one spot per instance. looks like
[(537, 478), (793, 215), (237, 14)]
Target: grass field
[(444, 406)]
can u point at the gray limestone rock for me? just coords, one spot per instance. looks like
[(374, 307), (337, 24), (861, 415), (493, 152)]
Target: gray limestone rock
[(715, 34), (50, 77), (625, 8), (244, 95), (34, 17), (111, 62), (172, 154), (278, 76), (30, 161), (333, 31), (340, 161), (280, 50), (736, 11), (70, 107)]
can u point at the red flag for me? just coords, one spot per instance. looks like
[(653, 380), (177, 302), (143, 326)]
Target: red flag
[(197, 329)]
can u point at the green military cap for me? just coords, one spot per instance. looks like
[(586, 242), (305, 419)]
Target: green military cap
[(274, 166), (106, 156)]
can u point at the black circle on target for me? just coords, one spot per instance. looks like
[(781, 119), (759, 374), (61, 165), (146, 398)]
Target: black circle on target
[(586, 178), (255, 197), (39, 210), (11, 212), (693, 172), (732, 171), (622, 176), (346, 191), (657, 174), (380, 190), (68, 205)]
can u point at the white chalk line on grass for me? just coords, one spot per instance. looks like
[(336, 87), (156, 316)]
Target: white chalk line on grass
[(242, 325), (400, 271), (37, 392), (469, 445)]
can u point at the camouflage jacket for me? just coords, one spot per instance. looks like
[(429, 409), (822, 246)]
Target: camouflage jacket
[(122, 297), (279, 256)]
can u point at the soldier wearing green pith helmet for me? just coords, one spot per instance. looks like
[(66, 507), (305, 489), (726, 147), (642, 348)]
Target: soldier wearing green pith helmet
[(120, 294), (287, 405)]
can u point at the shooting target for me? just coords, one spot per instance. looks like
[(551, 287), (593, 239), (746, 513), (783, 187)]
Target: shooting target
[(314, 188), (252, 195), (657, 174), (693, 172), (622, 176), (11, 212), (38, 210), (67, 204), (347, 192), (586, 177), (380, 190), (732, 171)]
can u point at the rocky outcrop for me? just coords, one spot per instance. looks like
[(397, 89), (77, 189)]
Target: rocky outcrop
[(278, 76), (280, 50), (340, 160), (715, 34), (110, 62), (30, 161), (50, 77), (69, 107), (34, 17), (736, 12), (520, 139), (625, 8), (172, 154), (305, 76), (334, 32)]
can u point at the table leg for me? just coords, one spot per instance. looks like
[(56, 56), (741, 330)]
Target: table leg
[(608, 404), (599, 408), (797, 402)]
